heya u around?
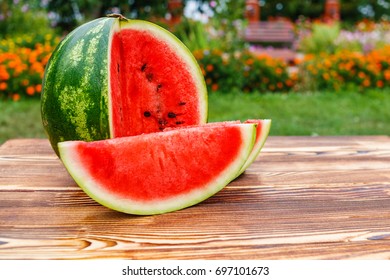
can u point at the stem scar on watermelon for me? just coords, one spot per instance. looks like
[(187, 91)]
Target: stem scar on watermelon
[(115, 77), (159, 172)]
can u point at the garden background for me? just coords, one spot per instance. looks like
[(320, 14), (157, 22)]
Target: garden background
[(338, 82)]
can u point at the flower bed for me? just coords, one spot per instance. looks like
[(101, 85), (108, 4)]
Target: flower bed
[(22, 65), (243, 71), (346, 70), (23, 60)]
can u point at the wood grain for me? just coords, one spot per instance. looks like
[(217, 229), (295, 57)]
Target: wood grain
[(303, 198)]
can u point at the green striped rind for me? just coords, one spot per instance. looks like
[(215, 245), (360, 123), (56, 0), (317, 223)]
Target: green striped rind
[(73, 163), (74, 99)]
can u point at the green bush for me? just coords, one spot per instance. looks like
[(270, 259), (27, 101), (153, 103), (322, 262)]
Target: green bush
[(243, 71), (320, 39), (21, 19), (194, 35), (346, 70)]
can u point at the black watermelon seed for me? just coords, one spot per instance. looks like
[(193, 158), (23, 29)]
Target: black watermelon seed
[(149, 77), (158, 87), (147, 114), (117, 67), (162, 122), (179, 122), (143, 67), (182, 103), (171, 115)]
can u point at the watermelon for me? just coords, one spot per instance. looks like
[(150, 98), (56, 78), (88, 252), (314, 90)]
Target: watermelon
[(114, 77), (160, 172)]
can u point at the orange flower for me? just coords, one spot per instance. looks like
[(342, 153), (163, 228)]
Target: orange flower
[(366, 83), (198, 54), (15, 97), (38, 88), (379, 84), (279, 71), (30, 90), (37, 67), (216, 52), (289, 83), (249, 61), (214, 87), (327, 63), (25, 82), (12, 64), (4, 75), (326, 76), (3, 86), (387, 75), (209, 67)]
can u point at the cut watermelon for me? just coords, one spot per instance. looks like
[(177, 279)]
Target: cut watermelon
[(114, 77), (159, 172)]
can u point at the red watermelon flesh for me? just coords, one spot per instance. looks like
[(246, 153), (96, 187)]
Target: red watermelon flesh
[(262, 130), (151, 83), (159, 172)]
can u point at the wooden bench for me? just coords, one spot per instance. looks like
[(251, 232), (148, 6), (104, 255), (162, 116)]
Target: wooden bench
[(270, 32)]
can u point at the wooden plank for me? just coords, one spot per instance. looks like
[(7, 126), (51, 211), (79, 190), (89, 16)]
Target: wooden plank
[(303, 198)]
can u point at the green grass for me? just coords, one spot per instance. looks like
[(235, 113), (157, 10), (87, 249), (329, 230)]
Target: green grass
[(291, 114), (20, 120), (309, 114)]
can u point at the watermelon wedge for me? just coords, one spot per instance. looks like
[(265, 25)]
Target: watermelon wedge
[(159, 172)]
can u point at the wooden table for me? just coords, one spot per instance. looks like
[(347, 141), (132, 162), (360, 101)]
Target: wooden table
[(304, 198)]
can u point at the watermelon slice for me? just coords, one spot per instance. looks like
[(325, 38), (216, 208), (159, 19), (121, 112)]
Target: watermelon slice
[(159, 172)]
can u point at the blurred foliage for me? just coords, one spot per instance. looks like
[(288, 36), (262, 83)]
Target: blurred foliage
[(222, 31), (228, 23), (350, 10), (23, 59), (321, 38), (243, 71), (23, 17), (346, 70), (67, 14), (194, 35), (27, 40)]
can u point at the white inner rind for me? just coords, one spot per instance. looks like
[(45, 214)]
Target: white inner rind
[(115, 28), (74, 165)]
